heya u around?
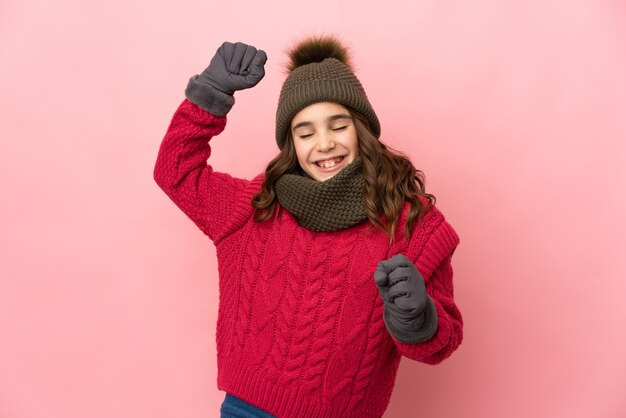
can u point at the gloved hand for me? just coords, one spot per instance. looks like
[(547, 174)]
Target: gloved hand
[(410, 314), (234, 67)]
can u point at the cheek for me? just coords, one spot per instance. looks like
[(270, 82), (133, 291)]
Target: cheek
[(302, 153), (352, 143)]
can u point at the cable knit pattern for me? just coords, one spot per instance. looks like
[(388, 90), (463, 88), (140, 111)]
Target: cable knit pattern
[(300, 331), (374, 336), (290, 302), (309, 317), (326, 355), (249, 273), (348, 337)]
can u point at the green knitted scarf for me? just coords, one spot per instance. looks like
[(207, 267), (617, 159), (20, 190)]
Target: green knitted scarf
[(330, 205)]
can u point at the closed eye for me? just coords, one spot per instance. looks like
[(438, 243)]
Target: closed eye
[(340, 128)]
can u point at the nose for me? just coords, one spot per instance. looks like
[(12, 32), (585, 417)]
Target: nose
[(325, 142)]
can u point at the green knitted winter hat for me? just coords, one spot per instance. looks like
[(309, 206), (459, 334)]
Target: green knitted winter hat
[(320, 71)]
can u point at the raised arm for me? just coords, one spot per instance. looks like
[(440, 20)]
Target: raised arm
[(214, 201)]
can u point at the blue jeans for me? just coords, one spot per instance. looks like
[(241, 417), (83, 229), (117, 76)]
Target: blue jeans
[(234, 407)]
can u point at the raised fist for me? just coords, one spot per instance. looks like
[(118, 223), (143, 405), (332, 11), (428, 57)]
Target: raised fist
[(234, 67)]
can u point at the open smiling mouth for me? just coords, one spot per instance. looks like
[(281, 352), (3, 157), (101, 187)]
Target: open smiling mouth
[(330, 163)]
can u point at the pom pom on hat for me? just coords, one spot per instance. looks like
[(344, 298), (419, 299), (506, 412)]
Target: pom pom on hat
[(320, 70), (317, 49)]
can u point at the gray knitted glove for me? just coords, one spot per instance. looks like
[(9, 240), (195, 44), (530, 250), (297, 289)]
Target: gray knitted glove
[(410, 314), (234, 67)]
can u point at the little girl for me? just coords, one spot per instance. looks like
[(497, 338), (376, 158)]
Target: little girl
[(333, 263)]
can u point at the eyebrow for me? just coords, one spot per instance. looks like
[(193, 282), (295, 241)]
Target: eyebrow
[(329, 119)]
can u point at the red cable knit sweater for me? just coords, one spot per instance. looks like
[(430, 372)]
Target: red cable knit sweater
[(300, 331)]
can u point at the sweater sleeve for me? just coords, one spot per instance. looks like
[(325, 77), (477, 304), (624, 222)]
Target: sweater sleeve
[(434, 260), (216, 202)]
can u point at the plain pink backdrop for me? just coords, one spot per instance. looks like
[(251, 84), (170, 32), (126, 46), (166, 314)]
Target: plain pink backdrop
[(516, 112)]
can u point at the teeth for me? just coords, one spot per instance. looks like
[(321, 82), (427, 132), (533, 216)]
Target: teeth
[(329, 163)]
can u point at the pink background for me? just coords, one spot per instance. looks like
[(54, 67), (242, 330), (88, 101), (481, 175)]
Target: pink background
[(516, 111)]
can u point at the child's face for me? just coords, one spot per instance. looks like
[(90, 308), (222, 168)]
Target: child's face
[(325, 139)]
